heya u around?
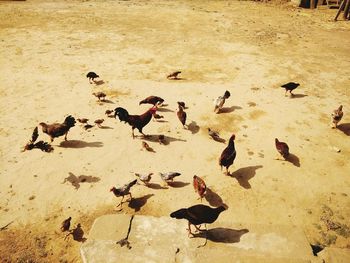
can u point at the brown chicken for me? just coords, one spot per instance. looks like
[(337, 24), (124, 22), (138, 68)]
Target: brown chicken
[(58, 129), (154, 100), (83, 120), (146, 146), (108, 112), (173, 75), (181, 114), (337, 115), (199, 186), (157, 116), (228, 155), (135, 121), (66, 224), (282, 148), (99, 122), (100, 95)]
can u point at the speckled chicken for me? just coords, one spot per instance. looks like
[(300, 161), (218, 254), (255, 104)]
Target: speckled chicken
[(169, 177), (154, 100), (145, 178), (199, 186), (337, 115), (228, 155), (123, 190), (58, 129), (282, 148), (220, 101)]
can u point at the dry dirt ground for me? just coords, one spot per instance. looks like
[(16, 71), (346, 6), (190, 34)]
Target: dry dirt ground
[(248, 48)]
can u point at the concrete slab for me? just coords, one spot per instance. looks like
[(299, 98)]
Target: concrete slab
[(166, 240)]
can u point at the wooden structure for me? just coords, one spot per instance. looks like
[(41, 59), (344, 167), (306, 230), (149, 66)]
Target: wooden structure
[(344, 6)]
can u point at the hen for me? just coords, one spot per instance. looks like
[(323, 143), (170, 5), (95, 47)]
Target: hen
[(92, 76), (173, 75), (154, 100), (282, 148), (58, 129), (98, 122), (122, 191), (337, 115), (169, 177), (145, 178), (199, 186), (228, 155), (290, 86), (181, 114), (66, 224), (197, 215), (220, 101), (135, 121), (100, 95)]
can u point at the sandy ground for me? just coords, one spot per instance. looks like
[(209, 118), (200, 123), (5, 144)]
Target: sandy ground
[(247, 48)]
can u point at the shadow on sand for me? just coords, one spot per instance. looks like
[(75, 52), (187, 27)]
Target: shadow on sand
[(137, 203), (243, 175), (229, 109), (345, 128), (222, 235), (193, 127), (213, 198), (76, 180), (167, 139), (79, 144)]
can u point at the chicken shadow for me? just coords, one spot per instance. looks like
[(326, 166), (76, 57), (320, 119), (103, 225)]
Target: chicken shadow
[(345, 128), (101, 102), (213, 198), (106, 127), (219, 139), (243, 175), (292, 158), (79, 144), (167, 139), (99, 82), (155, 186), (193, 127), (178, 184), (222, 235), (137, 203), (229, 109), (76, 180), (78, 234), (164, 110), (298, 96)]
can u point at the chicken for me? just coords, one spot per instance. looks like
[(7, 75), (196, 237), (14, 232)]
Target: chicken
[(122, 191), (228, 155), (154, 100), (145, 178), (147, 147), (30, 145), (220, 101), (92, 76), (100, 95), (182, 104), (181, 114), (109, 112), (290, 86), (199, 186), (135, 121), (44, 146), (88, 126), (99, 122), (169, 177), (173, 75), (213, 134), (282, 148), (83, 120), (58, 129), (66, 224), (337, 115), (197, 215)]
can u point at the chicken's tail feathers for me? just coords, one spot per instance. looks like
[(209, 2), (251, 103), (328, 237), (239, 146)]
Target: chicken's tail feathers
[(70, 121), (133, 183), (122, 114), (179, 214)]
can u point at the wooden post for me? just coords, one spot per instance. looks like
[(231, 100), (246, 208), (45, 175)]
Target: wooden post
[(312, 4), (339, 10), (346, 10)]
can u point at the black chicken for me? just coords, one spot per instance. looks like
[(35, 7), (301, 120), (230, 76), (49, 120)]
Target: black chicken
[(92, 76), (197, 215), (66, 224), (58, 129), (122, 191), (290, 86), (282, 148), (135, 121), (182, 115), (154, 100), (228, 155)]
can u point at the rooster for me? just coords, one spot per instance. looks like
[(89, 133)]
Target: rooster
[(199, 186), (135, 121), (58, 129), (197, 215), (154, 100), (122, 191), (282, 148), (290, 86), (337, 115), (228, 155), (220, 101)]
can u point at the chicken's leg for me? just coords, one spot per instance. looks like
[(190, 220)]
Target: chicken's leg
[(121, 202), (189, 229)]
